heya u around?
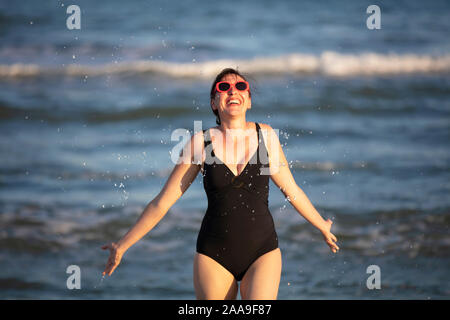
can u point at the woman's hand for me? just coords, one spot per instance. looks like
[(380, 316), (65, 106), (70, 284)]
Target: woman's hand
[(330, 239), (115, 256)]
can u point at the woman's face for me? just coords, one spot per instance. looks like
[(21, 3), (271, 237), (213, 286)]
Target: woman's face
[(232, 103)]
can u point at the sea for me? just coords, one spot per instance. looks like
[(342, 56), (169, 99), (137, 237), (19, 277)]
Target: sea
[(360, 98)]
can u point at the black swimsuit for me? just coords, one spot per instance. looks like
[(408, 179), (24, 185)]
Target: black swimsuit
[(237, 228)]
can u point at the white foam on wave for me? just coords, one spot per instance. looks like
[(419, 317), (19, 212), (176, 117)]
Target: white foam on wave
[(328, 63)]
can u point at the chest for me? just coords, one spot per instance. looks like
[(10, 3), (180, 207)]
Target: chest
[(235, 152)]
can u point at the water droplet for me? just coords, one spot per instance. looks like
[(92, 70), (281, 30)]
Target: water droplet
[(101, 281)]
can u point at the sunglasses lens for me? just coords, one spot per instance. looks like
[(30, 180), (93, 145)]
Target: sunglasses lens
[(224, 86), (242, 86)]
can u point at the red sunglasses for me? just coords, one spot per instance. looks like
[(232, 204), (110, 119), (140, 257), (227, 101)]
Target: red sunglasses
[(225, 86)]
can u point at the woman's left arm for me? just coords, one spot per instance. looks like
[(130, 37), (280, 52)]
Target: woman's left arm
[(282, 177)]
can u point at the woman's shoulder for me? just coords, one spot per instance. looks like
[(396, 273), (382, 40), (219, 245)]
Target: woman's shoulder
[(211, 129), (264, 126), (268, 132), (203, 134)]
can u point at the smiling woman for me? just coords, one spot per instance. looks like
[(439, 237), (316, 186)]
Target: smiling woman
[(237, 239), (222, 86)]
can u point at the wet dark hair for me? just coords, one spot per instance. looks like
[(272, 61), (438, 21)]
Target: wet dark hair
[(219, 77)]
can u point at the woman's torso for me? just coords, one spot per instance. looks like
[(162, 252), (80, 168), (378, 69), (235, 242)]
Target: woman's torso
[(240, 199)]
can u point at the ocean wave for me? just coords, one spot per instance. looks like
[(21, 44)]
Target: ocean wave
[(19, 284), (35, 228), (400, 231), (10, 111), (328, 63)]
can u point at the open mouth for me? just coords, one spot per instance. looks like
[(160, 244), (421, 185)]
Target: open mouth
[(233, 102)]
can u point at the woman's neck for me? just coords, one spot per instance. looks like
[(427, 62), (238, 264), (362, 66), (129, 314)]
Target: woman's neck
[(234, 124)]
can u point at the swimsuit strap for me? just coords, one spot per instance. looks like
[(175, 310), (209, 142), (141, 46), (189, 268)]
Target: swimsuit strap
[(258, 128)]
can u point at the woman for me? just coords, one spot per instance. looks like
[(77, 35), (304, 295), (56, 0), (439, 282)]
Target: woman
[(237, 239)]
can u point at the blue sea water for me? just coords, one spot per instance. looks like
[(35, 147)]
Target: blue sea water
[(86, 118)]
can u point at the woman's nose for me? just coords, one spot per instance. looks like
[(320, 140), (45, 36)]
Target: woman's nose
[(232, 90)]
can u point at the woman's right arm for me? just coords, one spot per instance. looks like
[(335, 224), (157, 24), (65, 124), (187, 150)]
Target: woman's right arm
[(180, 179)]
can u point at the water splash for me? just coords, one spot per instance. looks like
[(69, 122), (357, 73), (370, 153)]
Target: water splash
[(101, 281)]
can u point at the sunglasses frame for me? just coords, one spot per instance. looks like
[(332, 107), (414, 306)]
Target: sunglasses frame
[(231, 86)]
